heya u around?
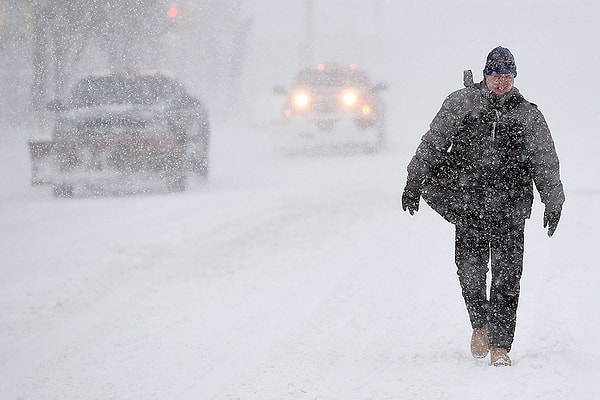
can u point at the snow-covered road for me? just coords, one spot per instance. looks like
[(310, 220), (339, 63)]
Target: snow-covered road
[(287, 278)]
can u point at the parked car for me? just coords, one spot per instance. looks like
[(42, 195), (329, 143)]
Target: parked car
[(333, 106), (122, 133)]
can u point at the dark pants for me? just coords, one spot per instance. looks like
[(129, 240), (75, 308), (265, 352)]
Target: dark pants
[(502, 243)]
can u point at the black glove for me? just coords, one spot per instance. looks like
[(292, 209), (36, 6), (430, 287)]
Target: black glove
[(551, 218), (411, 197)]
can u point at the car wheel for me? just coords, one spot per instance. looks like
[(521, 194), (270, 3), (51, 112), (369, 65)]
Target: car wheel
[(177, 185), (380, 140), (200, 166), (62, 190)]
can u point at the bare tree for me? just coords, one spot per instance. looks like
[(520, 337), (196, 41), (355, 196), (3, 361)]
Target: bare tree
[(205, 45), (64, 28)]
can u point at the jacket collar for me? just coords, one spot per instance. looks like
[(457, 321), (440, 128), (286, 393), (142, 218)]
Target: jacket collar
[(505, 102)]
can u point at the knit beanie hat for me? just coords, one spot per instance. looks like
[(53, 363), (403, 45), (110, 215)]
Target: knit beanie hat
[(500, 61)]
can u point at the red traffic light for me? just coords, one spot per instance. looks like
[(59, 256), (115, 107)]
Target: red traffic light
[(172, 12)]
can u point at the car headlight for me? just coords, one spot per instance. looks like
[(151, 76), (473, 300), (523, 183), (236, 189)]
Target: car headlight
[(301, 100), (349, 98)]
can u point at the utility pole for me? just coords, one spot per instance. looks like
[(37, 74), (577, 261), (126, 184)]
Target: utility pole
[(306, 52)]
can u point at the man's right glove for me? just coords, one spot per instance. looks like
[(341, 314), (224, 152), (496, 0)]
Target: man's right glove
[(411, 197), (551, 218)]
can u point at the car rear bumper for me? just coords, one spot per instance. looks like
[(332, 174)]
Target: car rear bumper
[(116, 163)]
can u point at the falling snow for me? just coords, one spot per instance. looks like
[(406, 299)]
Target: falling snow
[(287, 277)]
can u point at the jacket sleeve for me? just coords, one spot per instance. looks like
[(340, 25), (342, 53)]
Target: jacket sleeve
[(435, 141), (544, 162)]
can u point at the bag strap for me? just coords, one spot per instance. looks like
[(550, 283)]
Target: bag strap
[(468, 78)]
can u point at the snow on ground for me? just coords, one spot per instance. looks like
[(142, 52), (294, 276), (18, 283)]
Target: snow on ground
[(301, 278), (287, 278)]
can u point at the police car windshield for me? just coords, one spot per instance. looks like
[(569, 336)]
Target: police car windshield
[(332, 78)]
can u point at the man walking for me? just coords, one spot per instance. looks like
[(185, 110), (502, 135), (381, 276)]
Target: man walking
[(476, 166)]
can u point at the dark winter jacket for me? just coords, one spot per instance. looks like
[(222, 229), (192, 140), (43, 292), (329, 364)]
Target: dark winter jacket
[(482, 154)]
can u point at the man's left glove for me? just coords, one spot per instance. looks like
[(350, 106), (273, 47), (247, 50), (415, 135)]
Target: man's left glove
[(411, 197), (551, 218)]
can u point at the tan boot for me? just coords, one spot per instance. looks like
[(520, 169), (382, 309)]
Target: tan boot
[(479, 342), (499, 357)]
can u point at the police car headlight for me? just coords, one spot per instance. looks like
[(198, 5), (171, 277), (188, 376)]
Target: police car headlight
[(349, 98), (301, 100)]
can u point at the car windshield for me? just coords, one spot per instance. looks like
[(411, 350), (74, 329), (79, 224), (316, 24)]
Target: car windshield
[(332, 77), (117, 90)]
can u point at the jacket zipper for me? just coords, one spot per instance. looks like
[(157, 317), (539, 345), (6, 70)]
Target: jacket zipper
[(495, 124)]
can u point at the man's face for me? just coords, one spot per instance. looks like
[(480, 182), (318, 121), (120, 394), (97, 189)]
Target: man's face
[(500, 83)]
